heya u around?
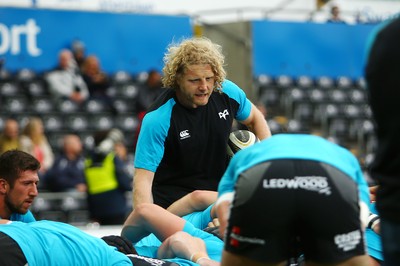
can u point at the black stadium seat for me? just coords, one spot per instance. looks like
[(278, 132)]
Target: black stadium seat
[(274, 126), (66, 106), (123, 105), (78, 122), (42, 105), (37, 88), (290, 98), (357, 96), (13, 105), (101, 121), (10, 89), (324, 82), (127, 123), (304, 82), (55, 139), (121, 78), (343, 82), (95, 106), (284, 81), (304, 112), (53, 122), (128, 91), (337, 96)]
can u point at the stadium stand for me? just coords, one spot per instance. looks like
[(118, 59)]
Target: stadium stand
[(335, 108)]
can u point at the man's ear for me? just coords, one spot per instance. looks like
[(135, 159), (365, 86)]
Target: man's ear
[(3, 186)]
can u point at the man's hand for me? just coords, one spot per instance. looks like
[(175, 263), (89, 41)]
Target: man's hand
[(213, 223)]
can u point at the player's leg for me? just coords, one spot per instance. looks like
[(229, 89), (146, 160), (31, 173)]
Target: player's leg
[(150, 218)]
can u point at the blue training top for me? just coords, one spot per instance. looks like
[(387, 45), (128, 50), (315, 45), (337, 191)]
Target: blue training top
[(295, 146), (55, 243)]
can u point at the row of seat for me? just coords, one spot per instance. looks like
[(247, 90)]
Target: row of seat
[(337, 109), (26, 75), (44, 105), (284, 81), (85, 125)]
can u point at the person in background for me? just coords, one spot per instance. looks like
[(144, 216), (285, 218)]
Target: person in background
[(182, 141), (66, 81), (34, 141), (335, 16), (107, 180), (78, 52), (10, 138), (147, 95), (96, 80), (383, 82), (18, 185), (122, 152), (67, 172)]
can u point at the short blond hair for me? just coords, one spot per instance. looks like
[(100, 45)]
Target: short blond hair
[(193, 51)]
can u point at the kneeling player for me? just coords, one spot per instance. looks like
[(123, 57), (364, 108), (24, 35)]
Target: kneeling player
[(293, 193)]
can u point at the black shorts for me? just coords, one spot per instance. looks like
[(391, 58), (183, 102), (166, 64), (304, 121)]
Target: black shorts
[(282, 202), (10, 252)]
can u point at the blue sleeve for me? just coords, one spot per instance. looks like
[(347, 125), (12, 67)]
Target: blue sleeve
[(236, 93), (154, 130), (200, 219), (214, 245)]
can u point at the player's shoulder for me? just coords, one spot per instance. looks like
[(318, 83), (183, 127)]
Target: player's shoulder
[(228, 86), (232, 90)]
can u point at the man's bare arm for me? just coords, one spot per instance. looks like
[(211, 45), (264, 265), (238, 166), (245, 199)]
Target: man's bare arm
[(142, 184), (197, 200), (257, 124)]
